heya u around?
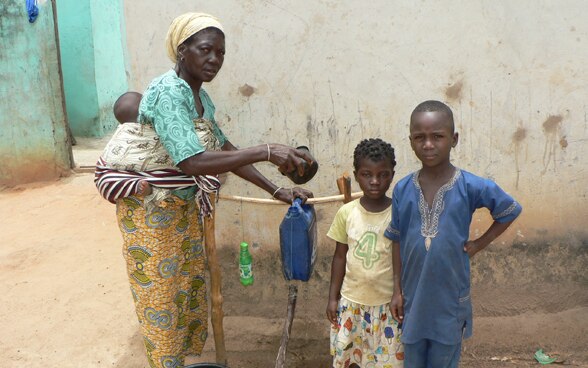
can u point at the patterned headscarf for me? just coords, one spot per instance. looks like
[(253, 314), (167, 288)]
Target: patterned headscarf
[(185, 26)]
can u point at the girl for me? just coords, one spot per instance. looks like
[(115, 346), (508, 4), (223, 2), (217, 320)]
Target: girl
[(363, 333)]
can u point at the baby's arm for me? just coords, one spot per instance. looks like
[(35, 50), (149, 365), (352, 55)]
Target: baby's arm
[(474, 246), (397, 302), (337, 275)]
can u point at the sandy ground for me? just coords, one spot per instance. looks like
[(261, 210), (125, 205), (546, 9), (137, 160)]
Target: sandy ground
[(66, 302)]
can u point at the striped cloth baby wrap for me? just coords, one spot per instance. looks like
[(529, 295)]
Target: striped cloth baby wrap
[(135, 153)]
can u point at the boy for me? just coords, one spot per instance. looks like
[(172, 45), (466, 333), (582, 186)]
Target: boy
[(431, 214)]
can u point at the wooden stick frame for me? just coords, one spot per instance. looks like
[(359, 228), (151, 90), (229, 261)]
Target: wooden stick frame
[(319, 200), (216, 296), (217, 315)]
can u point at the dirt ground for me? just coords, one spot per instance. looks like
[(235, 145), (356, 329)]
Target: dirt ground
[(66, 302)]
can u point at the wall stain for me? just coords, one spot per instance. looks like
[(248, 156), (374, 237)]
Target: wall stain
[(517, 138), (453, 92), (563, 142), (246, 90), (519, 135), (551, 128), (309, 126), (552, 123)]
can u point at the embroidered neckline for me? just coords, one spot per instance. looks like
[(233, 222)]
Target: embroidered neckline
[(430, 216)]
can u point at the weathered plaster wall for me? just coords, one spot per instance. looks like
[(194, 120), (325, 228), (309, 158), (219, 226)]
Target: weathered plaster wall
[(33, 138), (329, 73), (93, 63)]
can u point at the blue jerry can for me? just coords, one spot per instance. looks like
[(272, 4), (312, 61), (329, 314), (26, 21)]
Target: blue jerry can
[(298, 241)]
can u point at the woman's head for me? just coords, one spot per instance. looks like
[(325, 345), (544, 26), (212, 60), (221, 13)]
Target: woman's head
[(196, 43)]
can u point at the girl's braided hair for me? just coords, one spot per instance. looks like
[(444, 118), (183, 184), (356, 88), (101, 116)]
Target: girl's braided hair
[(374, 149)]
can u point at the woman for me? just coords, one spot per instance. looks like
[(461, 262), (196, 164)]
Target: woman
[(163, 244)]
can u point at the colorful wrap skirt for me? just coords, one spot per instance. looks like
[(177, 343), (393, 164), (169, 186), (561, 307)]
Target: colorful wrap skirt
[(367, 336), (165, 257)]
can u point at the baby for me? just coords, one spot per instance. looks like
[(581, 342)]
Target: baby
[(126, 110), (134, 161)]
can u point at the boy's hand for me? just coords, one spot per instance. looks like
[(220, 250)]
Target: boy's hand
[(471, 248), (332, 312), (397, 307)]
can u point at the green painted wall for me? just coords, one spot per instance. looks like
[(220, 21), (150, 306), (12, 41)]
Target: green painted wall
[(77, 60), (92, 48), (33, 136), (109, 57)]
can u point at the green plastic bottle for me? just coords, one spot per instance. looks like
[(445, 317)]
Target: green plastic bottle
[(245, 265)]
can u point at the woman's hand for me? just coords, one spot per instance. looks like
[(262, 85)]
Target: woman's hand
[(288, 159), (287, 195), (332, 312)]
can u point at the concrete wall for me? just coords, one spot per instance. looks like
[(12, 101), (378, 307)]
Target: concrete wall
[(93, 63), (109, 57), (77, 51), (328, 73), (33, 137)]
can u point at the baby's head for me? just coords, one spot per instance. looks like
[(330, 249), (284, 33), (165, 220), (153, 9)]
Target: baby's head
[(126, 107), (432, 132)]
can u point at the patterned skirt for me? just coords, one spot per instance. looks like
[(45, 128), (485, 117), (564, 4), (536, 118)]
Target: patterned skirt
[(367, 336), (165, 257)]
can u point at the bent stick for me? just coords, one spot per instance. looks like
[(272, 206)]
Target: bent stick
[(215, 286), (292, 293)]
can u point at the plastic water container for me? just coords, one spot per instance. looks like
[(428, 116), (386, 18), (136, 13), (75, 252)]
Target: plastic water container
[(298, 241)]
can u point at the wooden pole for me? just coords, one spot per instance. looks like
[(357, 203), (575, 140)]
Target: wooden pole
[(292, 294), (328, 199), (215, 286), (344, 186)]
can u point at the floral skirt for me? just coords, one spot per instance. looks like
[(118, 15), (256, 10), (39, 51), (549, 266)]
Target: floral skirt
[(367, 336), (164, 252)]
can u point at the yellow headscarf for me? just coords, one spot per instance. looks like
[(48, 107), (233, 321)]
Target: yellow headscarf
[(185, 26)]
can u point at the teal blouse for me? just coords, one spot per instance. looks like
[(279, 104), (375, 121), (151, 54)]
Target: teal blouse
[(168, 105)]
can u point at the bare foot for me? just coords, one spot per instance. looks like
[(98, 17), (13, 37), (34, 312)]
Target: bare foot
[(144, 188)]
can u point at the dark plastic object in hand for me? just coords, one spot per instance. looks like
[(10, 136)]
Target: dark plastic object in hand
[(309, 170)]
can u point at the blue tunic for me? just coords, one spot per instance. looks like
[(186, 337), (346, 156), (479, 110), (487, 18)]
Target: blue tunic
[(436, 282)]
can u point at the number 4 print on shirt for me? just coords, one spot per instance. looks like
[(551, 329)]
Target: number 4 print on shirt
[(365, 250)]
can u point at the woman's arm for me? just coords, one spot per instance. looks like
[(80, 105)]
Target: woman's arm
[(337, 274), (252, 175), (218, 162)]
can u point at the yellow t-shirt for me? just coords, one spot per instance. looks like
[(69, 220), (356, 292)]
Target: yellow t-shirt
[(368, 272)]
